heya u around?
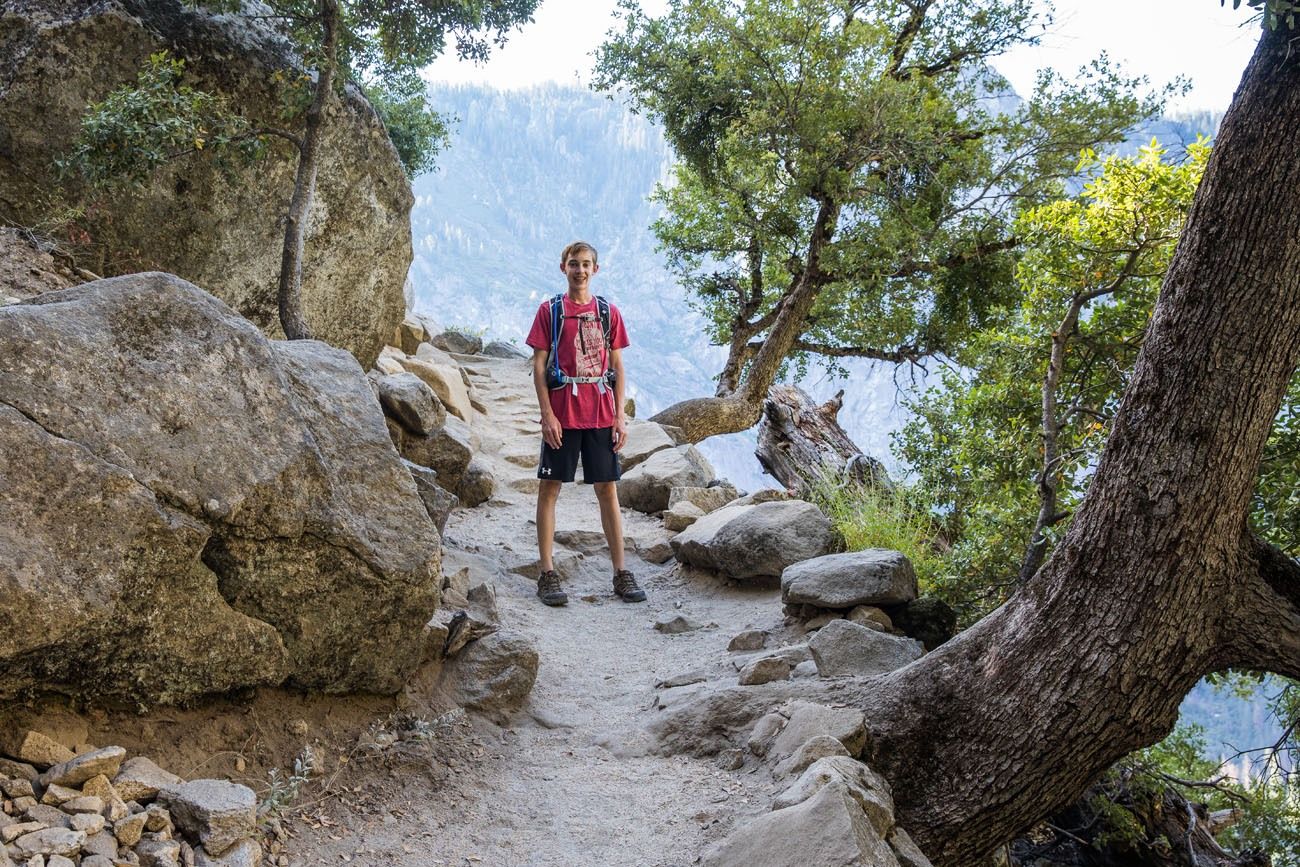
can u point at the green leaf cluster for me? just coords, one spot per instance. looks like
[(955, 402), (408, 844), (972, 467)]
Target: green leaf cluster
[(975, 443), (890, 115), (138, 128)]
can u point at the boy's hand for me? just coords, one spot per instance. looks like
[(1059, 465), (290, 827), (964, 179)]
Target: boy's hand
[(552, 432), (620, 433)]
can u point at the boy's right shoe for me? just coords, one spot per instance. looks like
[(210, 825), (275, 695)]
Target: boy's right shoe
[(625, 587), (548, 589)]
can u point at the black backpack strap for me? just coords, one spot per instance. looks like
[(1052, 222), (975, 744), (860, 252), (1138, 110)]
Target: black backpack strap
[(602, 307)]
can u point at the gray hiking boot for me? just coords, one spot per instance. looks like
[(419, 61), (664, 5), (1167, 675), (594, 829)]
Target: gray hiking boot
[(625, 587), (548, 589)]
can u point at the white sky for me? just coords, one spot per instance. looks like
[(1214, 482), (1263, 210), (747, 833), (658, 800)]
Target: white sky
[(1160, 39)]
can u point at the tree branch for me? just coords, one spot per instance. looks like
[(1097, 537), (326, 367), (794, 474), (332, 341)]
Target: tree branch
[(1263, 632), (895, 356)]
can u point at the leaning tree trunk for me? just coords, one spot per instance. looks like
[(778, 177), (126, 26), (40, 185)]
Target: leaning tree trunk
[(304, 189), (1158, 581), (801, 444), (737, 409)]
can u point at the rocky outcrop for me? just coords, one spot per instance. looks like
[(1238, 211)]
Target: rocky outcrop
[(755, 542), (845, 648), (222, 232), (200, 508)]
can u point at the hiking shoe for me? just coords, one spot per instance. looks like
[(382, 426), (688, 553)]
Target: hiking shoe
[(548, 589), (625, 587)]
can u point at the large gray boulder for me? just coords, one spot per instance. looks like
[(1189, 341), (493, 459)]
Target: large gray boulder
[(223, 232), (644, 438), (875, 576), (842, 647), (197, 508), (648, 485), (751, 542)]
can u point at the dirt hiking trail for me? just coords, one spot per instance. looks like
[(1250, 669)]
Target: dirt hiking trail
[(569, 780)]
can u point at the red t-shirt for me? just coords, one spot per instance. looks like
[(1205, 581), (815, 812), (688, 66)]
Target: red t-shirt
[(582, 353)]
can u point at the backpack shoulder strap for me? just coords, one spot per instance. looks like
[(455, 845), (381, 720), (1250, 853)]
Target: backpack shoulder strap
[(602, 307)]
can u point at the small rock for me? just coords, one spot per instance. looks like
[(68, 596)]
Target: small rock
[(100, 787), (871, 617), (59, 861), (807, 668), (50, 841), (157, 819), (875, 576), (682, 515), (11, 833), (159, 853), (750, 639), (246, 853), (56, 795), (818, 747), (217, 813), (844, 648), (677, 625), (129, 829), (96, 861), (90, 824), (17, 770), (41, 751), (821, 620), (81, 768), (764, 670), (50, 817), (731, 760), (21, 805), (683, 679), (84, 804), (21, 788), (102, 844)]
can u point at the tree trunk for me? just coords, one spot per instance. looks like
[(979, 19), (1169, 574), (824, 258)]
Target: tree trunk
[(1157, 581), (800, 443), (732, 412), (304, 190)]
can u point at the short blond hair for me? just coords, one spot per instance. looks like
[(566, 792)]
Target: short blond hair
[(576, 247)]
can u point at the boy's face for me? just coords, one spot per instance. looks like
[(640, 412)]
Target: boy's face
[(579, 268)]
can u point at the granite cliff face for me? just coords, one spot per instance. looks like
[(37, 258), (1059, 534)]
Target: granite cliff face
[(221, 231)]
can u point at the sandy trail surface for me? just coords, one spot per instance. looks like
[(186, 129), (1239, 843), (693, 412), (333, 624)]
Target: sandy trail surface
[(570, 779)]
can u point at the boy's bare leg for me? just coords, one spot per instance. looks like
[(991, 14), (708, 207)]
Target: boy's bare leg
[(611, 520), (548, 493)]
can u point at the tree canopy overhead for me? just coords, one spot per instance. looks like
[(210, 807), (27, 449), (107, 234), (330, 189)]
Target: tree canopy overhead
[(848, 172)]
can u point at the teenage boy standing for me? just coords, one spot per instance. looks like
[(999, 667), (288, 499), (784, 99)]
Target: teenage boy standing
[(583, 416)]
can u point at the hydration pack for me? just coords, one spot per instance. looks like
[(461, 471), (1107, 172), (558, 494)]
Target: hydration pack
[(557, 378)]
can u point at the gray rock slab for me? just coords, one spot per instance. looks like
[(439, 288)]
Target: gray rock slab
[(764, 670), (677, 624), (647, 486), (502, 349), (644, 438), (807, 720), (246, 853), (51, 841), (139, 779), (828, 829), (217, 813), (866, 787), (493, 675), (410, 402), (809, 751), (749, 640), (158, 853), (79, 769), (842, 647), (753, 542), (875, 576)]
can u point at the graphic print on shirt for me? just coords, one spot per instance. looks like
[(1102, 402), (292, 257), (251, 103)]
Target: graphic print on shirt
[(589, 345)]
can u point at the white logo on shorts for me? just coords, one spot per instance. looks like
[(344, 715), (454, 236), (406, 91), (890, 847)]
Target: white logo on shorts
[(546, 471)]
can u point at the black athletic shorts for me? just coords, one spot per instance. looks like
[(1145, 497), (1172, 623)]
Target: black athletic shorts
[(595, 445)]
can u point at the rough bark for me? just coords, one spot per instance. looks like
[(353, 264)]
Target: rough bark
[(295, 226), (800, 443), (1158, 581)]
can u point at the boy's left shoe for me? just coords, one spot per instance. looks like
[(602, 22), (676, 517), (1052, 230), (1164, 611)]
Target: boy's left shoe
[(625, 587)]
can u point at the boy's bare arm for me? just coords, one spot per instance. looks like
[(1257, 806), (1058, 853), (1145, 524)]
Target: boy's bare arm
[(620, 415), (552, 433)]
